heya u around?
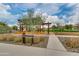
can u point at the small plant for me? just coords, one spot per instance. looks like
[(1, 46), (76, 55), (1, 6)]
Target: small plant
[(10, 38), (2, 38), (42, 39), (6, 37), (72, 43), (37, 40), (28, 40), (17, 39)]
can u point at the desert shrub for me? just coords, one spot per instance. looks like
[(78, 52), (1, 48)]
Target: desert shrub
[(2, 37), (42, 39), (72, 43), (28, 40), (6, 37), (10, 37), (17, 39), (37, 40)]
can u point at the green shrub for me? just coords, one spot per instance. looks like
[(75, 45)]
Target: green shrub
[(28, 40), (37, 40), (17, 39)]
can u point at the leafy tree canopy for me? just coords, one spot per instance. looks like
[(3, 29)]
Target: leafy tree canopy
[(3, 24)]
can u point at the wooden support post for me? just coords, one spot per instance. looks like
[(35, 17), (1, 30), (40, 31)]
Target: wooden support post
[(23, 38), (48, 27), (32, 40)]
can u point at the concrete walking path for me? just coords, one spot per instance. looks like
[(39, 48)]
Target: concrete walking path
[(54, 43)]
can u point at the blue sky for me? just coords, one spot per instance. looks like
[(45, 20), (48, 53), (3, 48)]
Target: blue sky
[(63, 13)]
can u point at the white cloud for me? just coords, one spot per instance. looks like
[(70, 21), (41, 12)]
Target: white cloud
[(3, 11), (31, 5), (4, 7), (27, 5), (74, 19), (48, 18), (49, 8), (71, 4), (54, 20), (6, 16)]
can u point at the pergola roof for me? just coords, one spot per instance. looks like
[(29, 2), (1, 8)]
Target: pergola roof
[(46, 23)]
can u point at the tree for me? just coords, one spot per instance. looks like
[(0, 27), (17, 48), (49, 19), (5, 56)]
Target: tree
[(4, 28), (3, 24), (54, 27), (77, 26), (14, 27), (30, 13), (31, 21), (38, 22), (68, 26)]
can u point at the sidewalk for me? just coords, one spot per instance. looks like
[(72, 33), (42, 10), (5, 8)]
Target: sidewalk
[(19, 50), (54, 43)]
